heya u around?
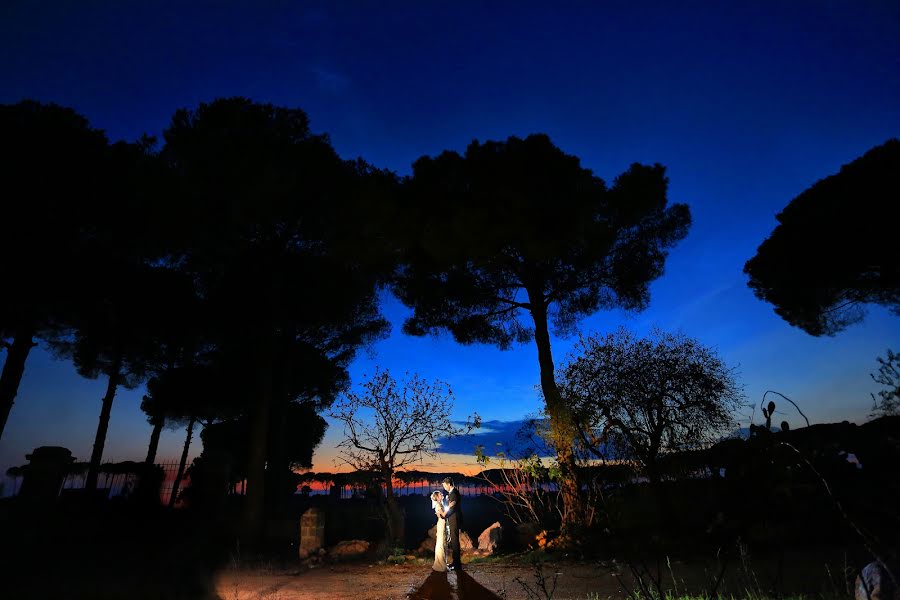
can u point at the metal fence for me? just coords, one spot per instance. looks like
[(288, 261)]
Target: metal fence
[(423, 488), (121, 483), (115, 483)]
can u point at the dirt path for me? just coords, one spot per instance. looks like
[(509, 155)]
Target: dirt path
[(412, 582), (803, 573)]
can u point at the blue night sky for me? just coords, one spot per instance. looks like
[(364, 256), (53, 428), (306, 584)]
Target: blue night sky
[(747, 104)]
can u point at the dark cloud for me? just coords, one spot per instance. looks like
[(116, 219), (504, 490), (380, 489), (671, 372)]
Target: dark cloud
[(517, 438)]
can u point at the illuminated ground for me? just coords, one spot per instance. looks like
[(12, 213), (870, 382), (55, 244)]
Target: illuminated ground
[(810, 573), (382, 582)]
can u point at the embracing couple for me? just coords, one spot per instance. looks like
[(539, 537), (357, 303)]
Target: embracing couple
[(448, 510)]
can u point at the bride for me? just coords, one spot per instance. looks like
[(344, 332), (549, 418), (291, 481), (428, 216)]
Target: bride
[(439, 505)]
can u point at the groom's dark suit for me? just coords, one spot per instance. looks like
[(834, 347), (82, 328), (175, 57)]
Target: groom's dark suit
[(454, 518)]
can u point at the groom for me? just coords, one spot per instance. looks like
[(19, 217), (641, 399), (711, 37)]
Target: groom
[(454, 517)]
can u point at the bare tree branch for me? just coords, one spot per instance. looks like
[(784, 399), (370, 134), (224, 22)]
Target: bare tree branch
[(388, 425)]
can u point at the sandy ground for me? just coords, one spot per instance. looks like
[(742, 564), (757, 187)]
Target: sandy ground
[(805, 572), (413, 582)]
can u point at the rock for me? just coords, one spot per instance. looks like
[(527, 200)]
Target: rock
[(874, 583), (465, 542), (526, 533), (490, 539), (427, 545), (349, 549)]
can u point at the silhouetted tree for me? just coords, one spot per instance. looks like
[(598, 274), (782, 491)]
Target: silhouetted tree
[(52, 166), (114, 311), (308, 379), (217, 387), (221, 464), (179, 319), (183, 396), (389, 425), (834, 249), (887, 401), (648, 396), (182, 346), (179, 475), (521, 226), (226, 451), (270, 232), (156, 416), (115, 335)]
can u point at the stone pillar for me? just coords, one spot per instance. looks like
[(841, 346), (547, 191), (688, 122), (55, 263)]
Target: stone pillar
[(45, 473), (312, 532)]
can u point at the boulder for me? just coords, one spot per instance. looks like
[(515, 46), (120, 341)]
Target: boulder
[(490, 539), (430, 541), (465, 542), (349, 549), (427, 545)]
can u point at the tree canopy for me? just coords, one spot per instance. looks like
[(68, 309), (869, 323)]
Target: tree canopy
[(512, 224), (518, 225), (646, 397), (835, 247), (271, 236), (53, 167)]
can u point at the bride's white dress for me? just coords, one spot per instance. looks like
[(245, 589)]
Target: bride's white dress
[(440, 546)]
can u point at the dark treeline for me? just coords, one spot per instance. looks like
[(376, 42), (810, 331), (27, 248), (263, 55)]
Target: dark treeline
[(234, 267)]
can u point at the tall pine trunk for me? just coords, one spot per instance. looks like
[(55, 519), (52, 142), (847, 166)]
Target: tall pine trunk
[(13, 369), (562, 426), (158, 423), (277, 461), (184, 454), (151, 478), (100, 438), (254, 506)]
